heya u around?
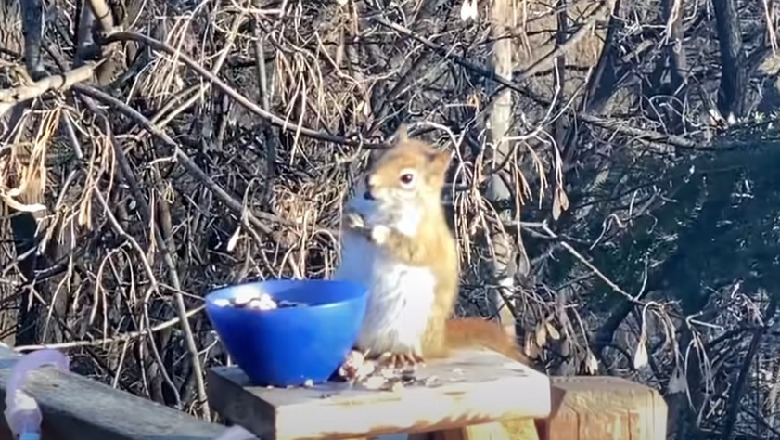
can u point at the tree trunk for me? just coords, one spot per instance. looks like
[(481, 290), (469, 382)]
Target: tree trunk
[(23, 224), (733, 83), (502, 265)]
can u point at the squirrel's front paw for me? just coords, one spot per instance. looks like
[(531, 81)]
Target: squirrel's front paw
[(402, 360), (354, 221), (380, 233)]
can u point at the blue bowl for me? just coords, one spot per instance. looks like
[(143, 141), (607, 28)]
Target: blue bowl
[(290, 345)]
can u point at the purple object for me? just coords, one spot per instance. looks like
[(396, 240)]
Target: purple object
[(21, 411)]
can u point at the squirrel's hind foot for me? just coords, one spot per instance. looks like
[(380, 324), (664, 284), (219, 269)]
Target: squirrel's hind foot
[(400, 360)]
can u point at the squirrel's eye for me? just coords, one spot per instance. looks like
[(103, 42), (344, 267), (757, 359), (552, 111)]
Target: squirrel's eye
[(407, 178)]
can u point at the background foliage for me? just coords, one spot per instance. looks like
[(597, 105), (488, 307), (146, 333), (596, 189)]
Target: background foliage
[(612, 189)]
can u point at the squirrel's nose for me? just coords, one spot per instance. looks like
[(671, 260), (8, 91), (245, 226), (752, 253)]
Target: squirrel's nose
[(368, 196)]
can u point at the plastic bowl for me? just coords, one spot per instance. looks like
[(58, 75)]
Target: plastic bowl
[(290, 345)]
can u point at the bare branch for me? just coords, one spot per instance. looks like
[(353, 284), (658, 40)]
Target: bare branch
[(731, 98), (11, 97), (33, 26)]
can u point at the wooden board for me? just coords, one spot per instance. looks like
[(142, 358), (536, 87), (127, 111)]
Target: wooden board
[(76, 408), (474, 387), (595, 408)]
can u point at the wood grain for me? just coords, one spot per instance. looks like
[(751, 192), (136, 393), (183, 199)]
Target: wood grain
[(596, 408), (476, 387), (77, 408)]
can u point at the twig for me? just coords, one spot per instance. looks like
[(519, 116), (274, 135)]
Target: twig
[(449, 56), (677, 141), (118, 228), (120, 338), (738, 388), (233, 204), (85, 44), (512, 84), (271, 138), (233, 93), (633, 299), (102, 13), (33, 25), (181, 309), (517, 76), (590, 266), (38, 88), (13, 96), (193, 94)]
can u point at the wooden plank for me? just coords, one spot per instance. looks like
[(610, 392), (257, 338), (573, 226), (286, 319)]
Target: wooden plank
[(76, 408), (483, 431), (598, 408), (475, 387)]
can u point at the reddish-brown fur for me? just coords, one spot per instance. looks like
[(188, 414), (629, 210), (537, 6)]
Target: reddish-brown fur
[(432, 246), (478, 332)]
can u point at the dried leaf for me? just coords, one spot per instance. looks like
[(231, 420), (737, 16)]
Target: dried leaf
[(591, 364), (560, 202), (716, 118), (233, 240), (464, 10), (676, 382), (469, 10), (541, 335), (366, 109), (552, 331), (640, 354), (22, 207), (563, 198), (529, 347), (528, 343), (473, 100)]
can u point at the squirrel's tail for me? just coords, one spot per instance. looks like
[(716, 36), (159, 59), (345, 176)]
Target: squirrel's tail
[(478, 332)]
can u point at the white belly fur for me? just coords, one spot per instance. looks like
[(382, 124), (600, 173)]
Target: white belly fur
[(400, 297)]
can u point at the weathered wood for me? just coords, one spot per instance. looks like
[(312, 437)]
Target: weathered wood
[(476, 387), (599, 408), (76, 408), (483, 431)]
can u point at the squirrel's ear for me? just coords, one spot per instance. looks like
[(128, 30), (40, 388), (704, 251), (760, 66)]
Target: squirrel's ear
[(402, 134), (374, 155), (440, 161)]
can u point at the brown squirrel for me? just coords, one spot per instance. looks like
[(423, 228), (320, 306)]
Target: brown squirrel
[(395, 239)]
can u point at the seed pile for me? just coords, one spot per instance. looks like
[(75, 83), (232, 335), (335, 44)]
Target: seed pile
[(253, 299), (358, 369)]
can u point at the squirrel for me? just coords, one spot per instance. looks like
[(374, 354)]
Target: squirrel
[(395, 240)]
